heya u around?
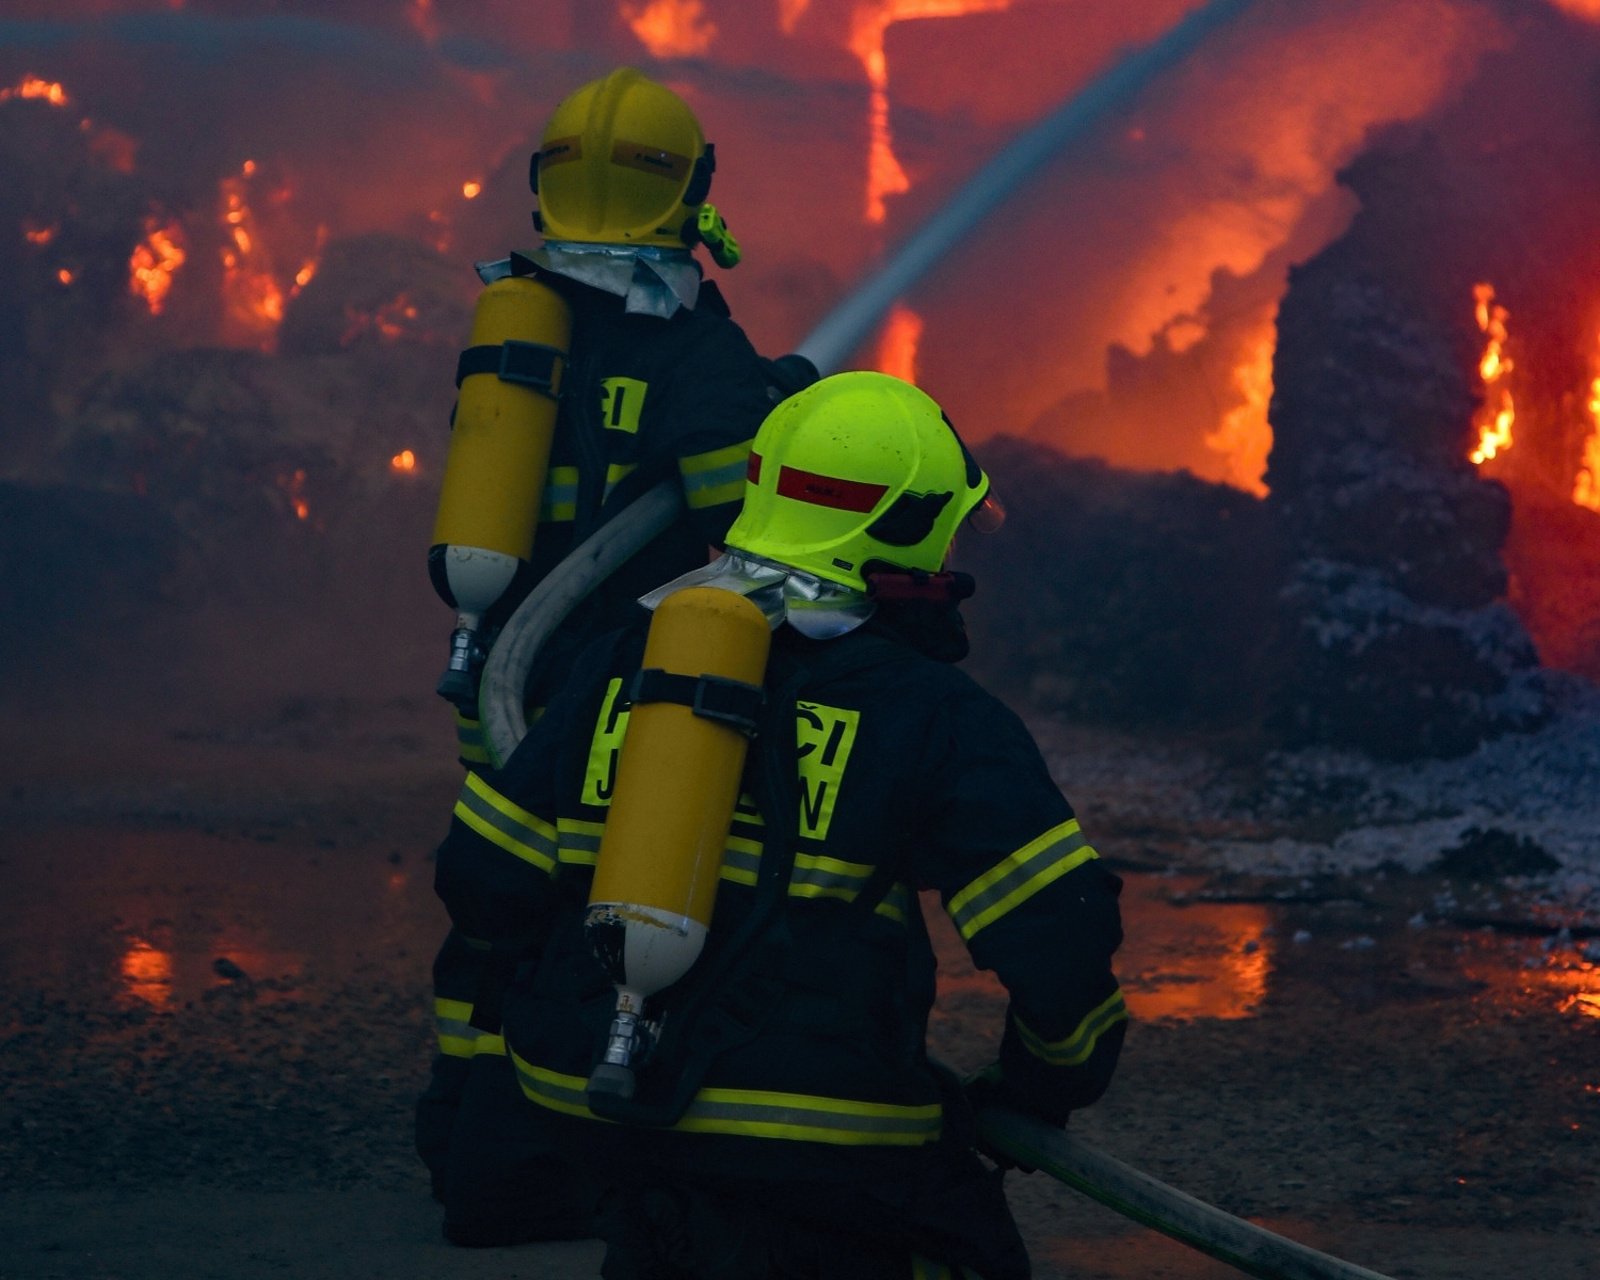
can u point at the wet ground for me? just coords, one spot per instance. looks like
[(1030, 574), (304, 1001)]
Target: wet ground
[(214, 1018)]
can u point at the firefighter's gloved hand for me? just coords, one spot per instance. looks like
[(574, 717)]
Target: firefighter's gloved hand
[(989, 1088)]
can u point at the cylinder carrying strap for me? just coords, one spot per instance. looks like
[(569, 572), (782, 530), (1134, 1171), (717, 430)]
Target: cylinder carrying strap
[(731, 702), (527, 364)]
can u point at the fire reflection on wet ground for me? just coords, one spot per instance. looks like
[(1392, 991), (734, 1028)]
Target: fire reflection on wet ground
[(1208, 960), (164, 917), (1190, 955), (1537, 972)]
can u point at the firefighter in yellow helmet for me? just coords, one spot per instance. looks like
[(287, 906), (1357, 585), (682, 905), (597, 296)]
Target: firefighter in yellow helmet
[(774, 1111), (654, 380)]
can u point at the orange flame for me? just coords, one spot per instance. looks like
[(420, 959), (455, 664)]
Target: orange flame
[(1586, 488), (252, 300), (471, 190), (34, 87), (405, 460), (308, 269), (897, 348), (671, 28), (1498, 412), (1244, 435), (868, 23), (65, 276), (154, 262), (40, 236)]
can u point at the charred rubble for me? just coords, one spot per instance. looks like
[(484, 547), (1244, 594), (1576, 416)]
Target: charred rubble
[(1394, 638)]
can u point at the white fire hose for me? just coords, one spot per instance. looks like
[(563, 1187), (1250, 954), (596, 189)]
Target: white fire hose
[(1242, 1245)]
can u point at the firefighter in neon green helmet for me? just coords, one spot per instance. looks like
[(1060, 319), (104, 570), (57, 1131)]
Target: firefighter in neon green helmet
[(856, 470), (786, 1118)]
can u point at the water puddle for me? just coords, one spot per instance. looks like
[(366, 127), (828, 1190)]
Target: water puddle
[(1206, 960)]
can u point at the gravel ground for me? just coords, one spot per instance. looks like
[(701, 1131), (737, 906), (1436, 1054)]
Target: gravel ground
[(214, 1018)]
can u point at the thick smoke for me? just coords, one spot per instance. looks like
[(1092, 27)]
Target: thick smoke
[(1164, 241)]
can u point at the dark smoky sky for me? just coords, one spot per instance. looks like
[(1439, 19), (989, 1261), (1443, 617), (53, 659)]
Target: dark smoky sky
[(366, 116)]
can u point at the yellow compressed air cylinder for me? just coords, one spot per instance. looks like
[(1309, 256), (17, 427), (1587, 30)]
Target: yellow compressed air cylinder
[(499, 453), (655, 881)]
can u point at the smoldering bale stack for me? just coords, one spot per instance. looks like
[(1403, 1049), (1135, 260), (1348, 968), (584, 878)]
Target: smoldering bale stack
[(1395, 642), (1121, 597)]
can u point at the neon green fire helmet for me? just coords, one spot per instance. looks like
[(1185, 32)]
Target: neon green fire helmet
[(856, 468)]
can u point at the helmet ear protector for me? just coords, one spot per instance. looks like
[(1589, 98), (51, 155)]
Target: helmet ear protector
[(700, 180), (990, 513)]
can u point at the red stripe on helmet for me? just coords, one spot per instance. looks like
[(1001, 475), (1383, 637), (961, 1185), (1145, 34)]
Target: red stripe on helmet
[(752, 471), (829, 491)]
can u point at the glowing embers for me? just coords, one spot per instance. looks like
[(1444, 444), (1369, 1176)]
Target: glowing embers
[(1244, 435), (38, 236), (1497, 414), (390, 322), (870, 20), (293, 488), (897, 347), (251, 299), (403, 462), (35, 88), (671, 28), (155, 260), (471, 190)]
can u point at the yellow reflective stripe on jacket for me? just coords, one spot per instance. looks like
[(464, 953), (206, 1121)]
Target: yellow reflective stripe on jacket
[(741, 860), (710, 479), (816, 876), (508, 825), (1074, 1050), (469, 740), (1019, 877), (458, 1038), (896, 904), (579, 841), (560, 501), (756, 1113), (616, 473)]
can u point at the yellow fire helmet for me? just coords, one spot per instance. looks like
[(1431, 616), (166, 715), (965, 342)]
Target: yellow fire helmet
[(856, 468), (623, 161)]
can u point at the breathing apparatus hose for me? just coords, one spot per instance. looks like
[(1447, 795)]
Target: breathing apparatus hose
[(1242, 1245), (613, 544)]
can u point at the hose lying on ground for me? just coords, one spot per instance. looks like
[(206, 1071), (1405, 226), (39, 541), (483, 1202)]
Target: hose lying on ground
[(1251, 1249), (505, 675)]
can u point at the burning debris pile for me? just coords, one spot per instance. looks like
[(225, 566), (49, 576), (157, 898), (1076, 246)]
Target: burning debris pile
[(1397, 644)]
